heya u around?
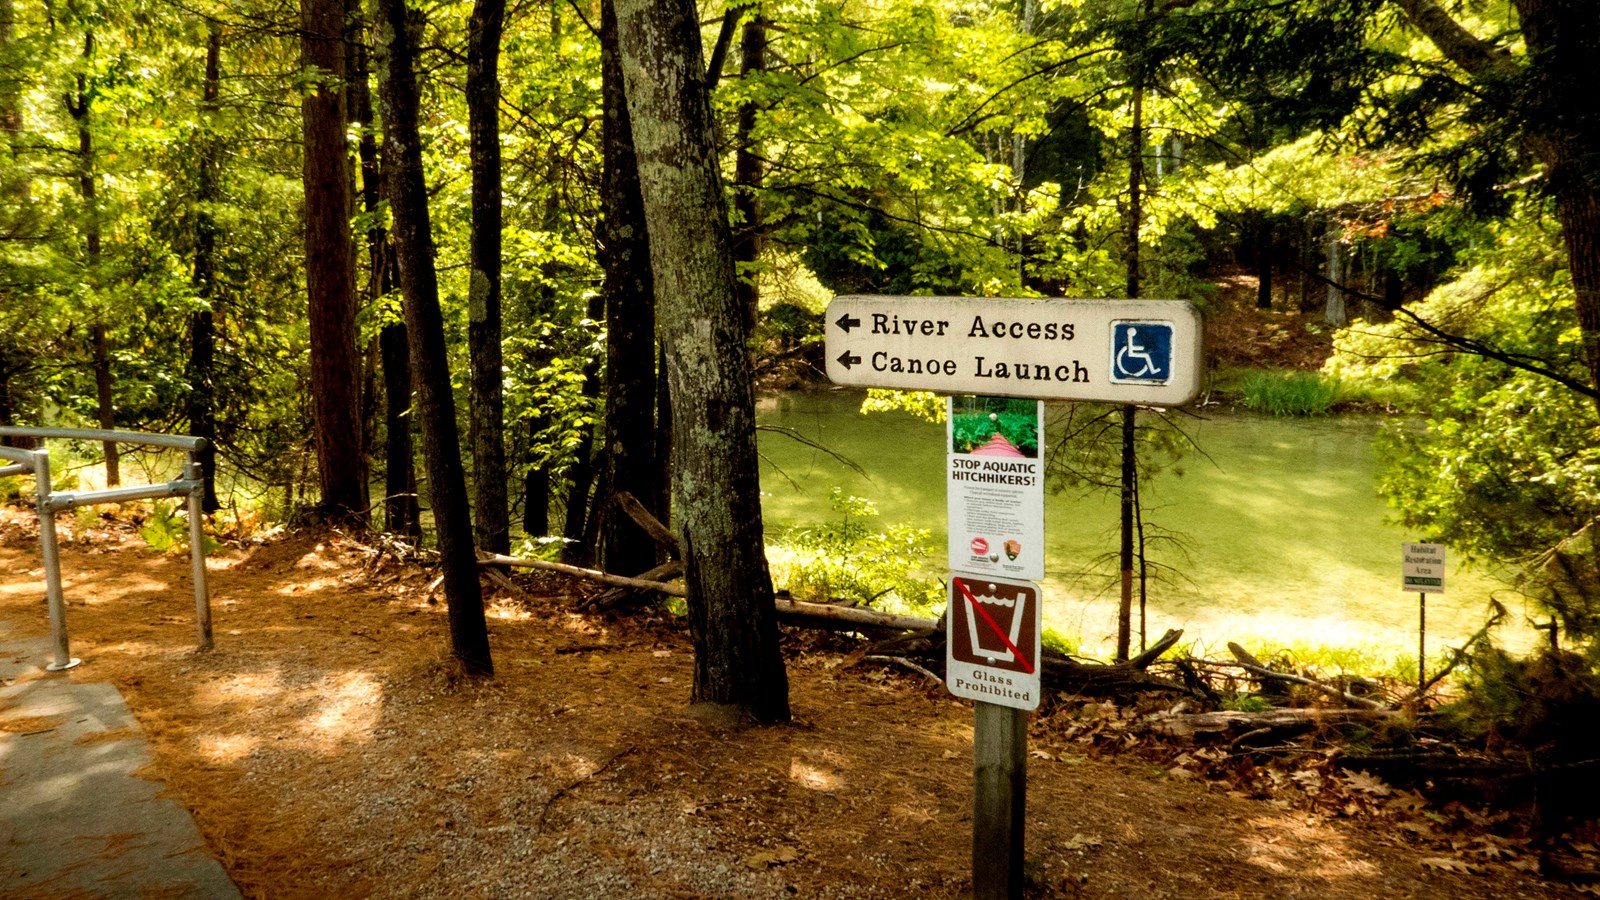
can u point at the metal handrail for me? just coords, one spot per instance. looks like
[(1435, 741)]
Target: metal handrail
[(175, 441), (49, 502)]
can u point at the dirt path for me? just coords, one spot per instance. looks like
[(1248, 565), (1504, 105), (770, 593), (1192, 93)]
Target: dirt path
[(326, 751)]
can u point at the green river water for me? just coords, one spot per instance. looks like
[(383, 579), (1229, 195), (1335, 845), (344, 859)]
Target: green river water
[(1285, 542)]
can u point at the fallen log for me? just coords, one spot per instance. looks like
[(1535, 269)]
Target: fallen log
[(1065, 674), (795, 612), (621, 596), (1225, 722)]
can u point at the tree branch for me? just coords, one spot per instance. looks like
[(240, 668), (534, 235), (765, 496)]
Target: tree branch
[(1473, 54)]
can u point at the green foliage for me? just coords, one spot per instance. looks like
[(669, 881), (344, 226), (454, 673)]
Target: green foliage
[(1250, 703), (1502, 464), (851, 559), (1290, 393), (164, 530), (1061, 642)]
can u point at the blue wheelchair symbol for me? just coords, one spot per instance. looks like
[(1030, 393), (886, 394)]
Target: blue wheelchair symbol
[(1141, 352)]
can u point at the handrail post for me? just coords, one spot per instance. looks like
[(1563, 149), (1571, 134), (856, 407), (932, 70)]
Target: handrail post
[(52, 564), (197, 551)]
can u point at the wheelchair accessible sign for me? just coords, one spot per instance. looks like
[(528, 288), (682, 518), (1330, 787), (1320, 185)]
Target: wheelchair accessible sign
[(1144, 352), (1141, 352)]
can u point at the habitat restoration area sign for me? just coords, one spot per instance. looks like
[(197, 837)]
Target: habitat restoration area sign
[(1115, 351), (1422, 568)]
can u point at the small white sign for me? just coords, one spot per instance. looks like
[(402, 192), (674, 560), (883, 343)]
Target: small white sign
[(1116, 351), (995, 485), (993, 640), (1422, 568)]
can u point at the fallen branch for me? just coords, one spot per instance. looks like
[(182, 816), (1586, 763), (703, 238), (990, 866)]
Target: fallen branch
[(1457, 654), (499, 579), (800, 612), (1143, 660), (617, 596), (644, 519), (498, 559), (1254, 667), (902, 661)]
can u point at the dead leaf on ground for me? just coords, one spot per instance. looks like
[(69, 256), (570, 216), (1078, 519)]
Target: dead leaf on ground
[(1449, 864), (766, 859)]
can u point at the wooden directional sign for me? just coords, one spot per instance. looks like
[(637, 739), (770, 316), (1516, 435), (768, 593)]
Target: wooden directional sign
[(1116, 351)]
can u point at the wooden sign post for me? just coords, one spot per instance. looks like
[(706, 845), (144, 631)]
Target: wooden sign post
[(1143, 352), (999, 800)]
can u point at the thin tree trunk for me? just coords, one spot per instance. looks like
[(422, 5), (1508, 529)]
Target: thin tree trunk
[(630, 425), (748, 173), (441, 446), (1263, 262), (1129, 467), (716, 490), (202, 324), (330, 270), (576, 550), (1333, 312), (402, 512), (81, 107), (487, 415)]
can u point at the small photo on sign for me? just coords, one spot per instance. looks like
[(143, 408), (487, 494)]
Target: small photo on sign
[(994, 426)]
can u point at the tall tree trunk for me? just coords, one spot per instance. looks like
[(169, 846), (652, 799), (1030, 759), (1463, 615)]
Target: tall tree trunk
[(419, 282), (630, 425), (1563, 40), (716, 490), (13, 180), (402, 512), (748, 173), (330, 269), (81, 107), (487, 415), (202, 324)]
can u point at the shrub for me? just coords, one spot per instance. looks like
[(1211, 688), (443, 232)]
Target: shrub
[(1290, 393), (852, 560)]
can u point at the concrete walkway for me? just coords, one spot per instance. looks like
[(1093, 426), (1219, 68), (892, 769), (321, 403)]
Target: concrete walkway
[(75, 819)]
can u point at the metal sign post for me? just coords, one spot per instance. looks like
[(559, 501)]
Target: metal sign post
[(1141, 352), (1422, 570)]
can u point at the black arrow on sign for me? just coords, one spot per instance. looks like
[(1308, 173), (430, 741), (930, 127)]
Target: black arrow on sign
[(848, 359), (847, 322)]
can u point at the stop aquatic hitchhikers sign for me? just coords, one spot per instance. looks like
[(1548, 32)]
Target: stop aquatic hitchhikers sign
[(1117, 351)]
